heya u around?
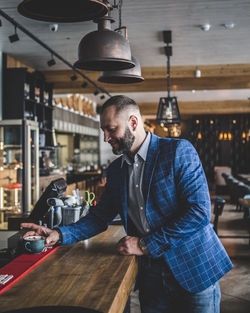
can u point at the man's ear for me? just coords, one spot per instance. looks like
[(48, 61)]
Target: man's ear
[(133, 122)]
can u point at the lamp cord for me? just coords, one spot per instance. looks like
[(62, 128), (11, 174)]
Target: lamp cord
[(120, 13), (168, 73)]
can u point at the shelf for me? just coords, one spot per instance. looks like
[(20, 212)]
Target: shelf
[(30, 100), (48, 148), (89, 151), (27, 96), (12, 146), (48, 107), (41, 129), (43, 105)]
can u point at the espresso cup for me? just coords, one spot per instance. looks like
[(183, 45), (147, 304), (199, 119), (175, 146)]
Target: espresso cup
[(34, 244)]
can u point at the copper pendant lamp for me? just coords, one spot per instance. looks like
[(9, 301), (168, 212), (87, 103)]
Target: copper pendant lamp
[(63, 11), (129, 76), (104, 49)]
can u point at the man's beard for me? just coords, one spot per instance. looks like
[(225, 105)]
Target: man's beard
[(124, 143)]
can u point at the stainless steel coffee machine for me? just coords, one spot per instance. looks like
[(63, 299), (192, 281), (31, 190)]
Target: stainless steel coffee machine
[(65, 211)]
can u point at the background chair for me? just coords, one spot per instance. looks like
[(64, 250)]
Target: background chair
[(218, 209)]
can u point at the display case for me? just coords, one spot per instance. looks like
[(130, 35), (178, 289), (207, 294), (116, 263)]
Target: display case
[(88, 151), (19, 168), (28, 96)]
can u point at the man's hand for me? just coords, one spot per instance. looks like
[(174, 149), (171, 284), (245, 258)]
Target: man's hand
[(129, 246), (52, 236)]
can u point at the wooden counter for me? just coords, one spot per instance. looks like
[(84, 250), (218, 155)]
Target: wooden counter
[(87, 274)]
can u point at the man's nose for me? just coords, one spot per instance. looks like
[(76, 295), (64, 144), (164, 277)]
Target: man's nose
[(106, 136)]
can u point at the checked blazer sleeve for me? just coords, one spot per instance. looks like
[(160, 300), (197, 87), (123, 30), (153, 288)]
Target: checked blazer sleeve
[(193, 202), (95, 222)]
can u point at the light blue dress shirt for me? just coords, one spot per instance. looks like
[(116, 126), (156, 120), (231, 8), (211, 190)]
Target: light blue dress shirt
[(136, 201)]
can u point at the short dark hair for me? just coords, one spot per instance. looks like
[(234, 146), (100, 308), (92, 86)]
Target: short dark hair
[(120, 103)]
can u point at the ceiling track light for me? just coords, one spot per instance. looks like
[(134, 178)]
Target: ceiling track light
[(14, 37), (96, 93), (84, 84), (73, 77), (52, 61), (55, 54)]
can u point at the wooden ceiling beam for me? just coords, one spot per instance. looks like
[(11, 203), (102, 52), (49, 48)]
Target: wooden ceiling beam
[(227, 70), (213, 77), (64, 75), (202, 107), (177, 84)]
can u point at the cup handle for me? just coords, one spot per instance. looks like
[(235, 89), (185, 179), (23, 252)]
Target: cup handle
[(27, 246)]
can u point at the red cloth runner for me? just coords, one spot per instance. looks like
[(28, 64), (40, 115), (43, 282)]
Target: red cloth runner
[(14, 270)]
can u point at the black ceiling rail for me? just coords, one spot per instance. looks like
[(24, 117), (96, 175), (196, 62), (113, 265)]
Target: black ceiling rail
[(28, 33)]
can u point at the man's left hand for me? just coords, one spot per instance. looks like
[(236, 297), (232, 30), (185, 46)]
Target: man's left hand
[(129, 246)]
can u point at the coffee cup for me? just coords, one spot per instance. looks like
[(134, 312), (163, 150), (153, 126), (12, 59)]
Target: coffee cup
[(34, 244)]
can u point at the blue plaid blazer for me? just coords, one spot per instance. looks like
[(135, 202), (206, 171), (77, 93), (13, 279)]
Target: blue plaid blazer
[(178, 211)]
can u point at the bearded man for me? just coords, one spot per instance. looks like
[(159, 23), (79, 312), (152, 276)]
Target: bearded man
[(159, 188)]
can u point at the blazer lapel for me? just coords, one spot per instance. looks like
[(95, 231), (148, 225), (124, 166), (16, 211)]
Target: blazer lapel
[(152, 156)]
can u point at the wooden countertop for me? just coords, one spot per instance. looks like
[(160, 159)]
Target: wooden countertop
[(87, 274)]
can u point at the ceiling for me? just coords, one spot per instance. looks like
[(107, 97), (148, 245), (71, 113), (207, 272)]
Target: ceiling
[(222, 55)]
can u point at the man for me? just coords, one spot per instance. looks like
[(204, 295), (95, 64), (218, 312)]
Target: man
[(159, 189)]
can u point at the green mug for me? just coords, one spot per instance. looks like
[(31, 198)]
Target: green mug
[(34, 244)]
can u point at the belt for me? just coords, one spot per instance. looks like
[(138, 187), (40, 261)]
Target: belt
[(160, 263), (149, 260)]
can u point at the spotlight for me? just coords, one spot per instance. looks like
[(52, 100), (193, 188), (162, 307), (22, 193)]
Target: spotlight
[(84, 84), (51, 62), (229, 25), (96, 93), (197, 73), (73, 77), (102, 97), (13, 38), (205, 27)]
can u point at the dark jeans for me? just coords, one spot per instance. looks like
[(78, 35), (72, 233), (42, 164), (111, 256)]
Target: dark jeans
[(159, 292)]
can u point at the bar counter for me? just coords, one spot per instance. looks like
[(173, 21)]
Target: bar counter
[(89, 274)]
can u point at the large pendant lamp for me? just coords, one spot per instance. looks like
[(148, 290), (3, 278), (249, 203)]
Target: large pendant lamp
[(168, 111), (104, 49), (63, 11), (129, 76)]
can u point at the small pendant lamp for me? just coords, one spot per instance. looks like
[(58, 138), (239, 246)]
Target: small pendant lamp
[(63, 11), (129, 76), (104, 49), (168, 111)]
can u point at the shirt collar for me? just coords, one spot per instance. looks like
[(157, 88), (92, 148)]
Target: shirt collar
[(142, 152)]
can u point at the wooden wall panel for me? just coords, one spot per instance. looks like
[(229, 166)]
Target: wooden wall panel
[(202, 107), (213, 77)]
